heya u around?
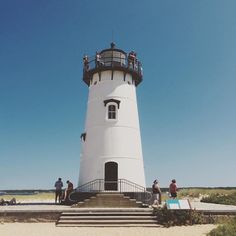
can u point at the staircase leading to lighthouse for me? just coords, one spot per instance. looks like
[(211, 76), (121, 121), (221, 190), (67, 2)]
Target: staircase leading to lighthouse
[(102, 208), (95, 194), (110, 217), (109, 200)]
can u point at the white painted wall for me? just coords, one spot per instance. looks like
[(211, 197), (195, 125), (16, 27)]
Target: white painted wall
[(109, 140)]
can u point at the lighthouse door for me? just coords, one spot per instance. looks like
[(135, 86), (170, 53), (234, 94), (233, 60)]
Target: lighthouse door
[(111, 176)]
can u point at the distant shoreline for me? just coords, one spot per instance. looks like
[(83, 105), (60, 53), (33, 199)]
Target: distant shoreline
[(48, 190)]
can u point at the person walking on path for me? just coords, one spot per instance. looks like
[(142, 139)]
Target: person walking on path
[(173, 189), (156, 193), (58, 193)]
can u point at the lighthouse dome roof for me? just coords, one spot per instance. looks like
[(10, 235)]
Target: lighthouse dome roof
[(113, 48)]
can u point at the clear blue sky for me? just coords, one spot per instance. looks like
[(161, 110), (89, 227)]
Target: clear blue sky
[(187, 101)]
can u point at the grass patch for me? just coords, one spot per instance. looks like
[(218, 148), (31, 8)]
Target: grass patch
[(32, 197), (221, 198), (226, 229), (204, 192), (169, 218)]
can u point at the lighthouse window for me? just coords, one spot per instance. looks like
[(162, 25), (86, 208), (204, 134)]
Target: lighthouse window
[(111, 112)]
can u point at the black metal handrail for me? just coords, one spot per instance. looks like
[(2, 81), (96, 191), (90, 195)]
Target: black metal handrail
[(121, 185)]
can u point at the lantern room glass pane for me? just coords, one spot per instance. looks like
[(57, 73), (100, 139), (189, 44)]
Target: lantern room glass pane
[(113, 58)]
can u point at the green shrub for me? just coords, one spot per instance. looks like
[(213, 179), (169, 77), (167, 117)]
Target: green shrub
[(227, 199), (191, 193), (169, 218), (227, 229), (200, 192)]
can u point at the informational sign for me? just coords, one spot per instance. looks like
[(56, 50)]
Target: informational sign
[(176, 204)]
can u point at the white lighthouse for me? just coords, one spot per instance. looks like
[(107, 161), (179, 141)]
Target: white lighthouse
[(111, 150)]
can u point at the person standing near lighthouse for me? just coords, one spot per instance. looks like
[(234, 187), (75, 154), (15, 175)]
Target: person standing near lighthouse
[(156, 193), (173, 189), (58, 192)]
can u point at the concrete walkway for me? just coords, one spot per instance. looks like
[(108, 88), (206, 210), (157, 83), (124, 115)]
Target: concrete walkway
[(50, 207), (211, 206), (31, 207)]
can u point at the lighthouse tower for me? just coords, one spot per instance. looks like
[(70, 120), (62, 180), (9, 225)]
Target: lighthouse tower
[(111, 143)]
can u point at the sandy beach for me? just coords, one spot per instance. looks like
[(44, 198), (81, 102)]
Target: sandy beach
[(49, 229)]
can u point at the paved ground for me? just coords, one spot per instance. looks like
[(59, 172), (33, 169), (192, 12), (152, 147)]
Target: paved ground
[(50, 207), (210, 206), (35, 207)]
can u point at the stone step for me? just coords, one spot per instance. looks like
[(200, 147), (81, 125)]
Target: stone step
[(110, 221), (108, 210), (109, 200), (133, 217), (109, 213), (115, 203), (110, 195), (107, 206), (107, 217), (109, 225)]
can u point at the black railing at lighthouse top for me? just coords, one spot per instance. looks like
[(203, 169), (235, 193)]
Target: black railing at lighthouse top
[(107, 60)]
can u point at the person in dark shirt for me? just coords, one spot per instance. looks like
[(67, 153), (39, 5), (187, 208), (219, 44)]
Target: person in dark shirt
[(156, 193), (58, 193)]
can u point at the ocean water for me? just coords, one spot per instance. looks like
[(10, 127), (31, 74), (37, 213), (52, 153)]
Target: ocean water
[(23, 192)]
